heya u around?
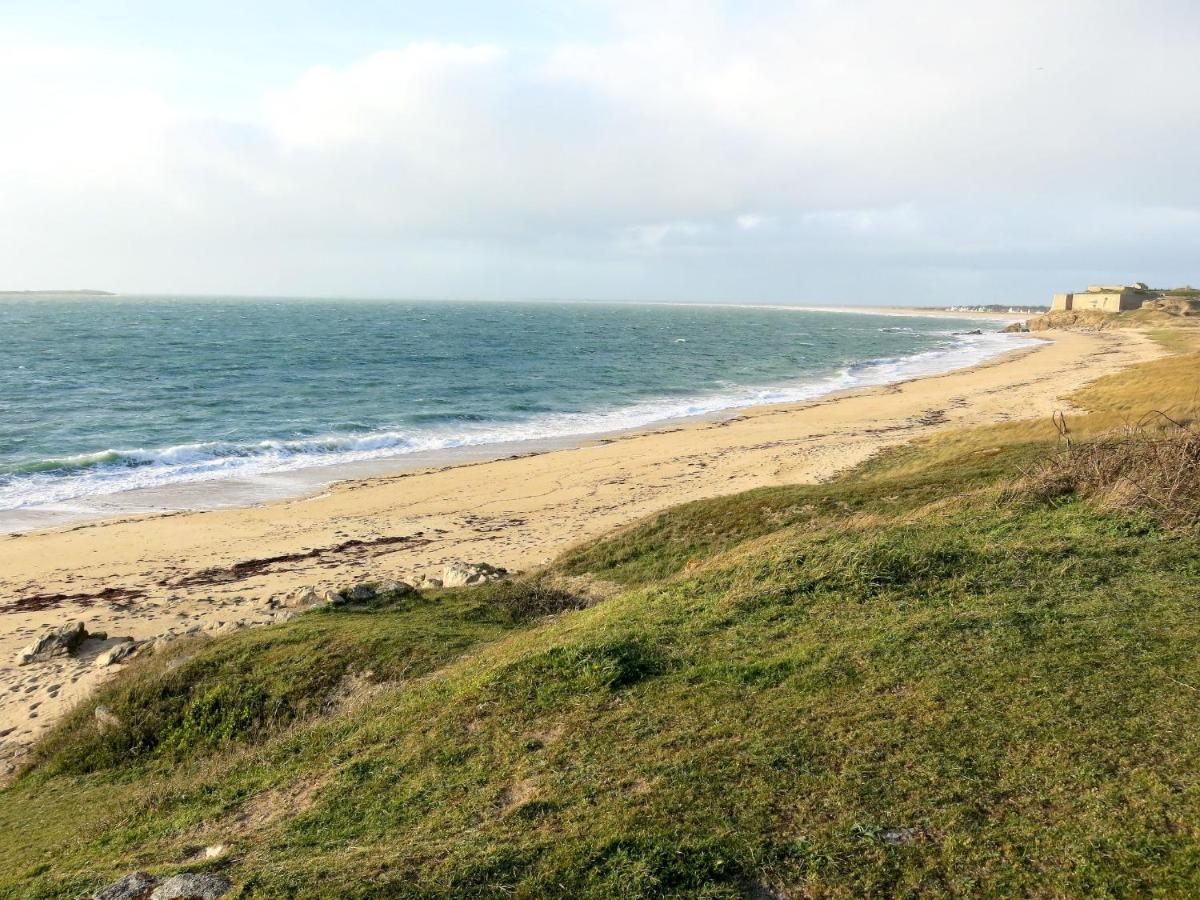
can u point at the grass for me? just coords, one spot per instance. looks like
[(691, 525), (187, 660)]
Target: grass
[(901, 683)]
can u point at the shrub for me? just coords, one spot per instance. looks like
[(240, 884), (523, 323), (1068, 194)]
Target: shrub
[(1153, 467)]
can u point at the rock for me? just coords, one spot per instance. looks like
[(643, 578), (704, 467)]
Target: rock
[(134, 886), (458, 574), (305, 596), (395, 588), (896, 837), (285, 615), (106, 717), (192, 886), (1015, 328), (360, 593), (122, 651), (333, 598), (60, 642)]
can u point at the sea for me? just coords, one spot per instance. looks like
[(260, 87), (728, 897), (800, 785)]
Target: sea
[(155, 402)]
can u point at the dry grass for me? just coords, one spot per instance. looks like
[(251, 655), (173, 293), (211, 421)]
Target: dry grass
[(1152, 467)]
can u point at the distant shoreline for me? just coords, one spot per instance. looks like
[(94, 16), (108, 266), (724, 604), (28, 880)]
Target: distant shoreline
[(83, 292)]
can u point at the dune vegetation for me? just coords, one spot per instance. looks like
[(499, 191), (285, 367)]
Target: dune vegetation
[(967, 667)]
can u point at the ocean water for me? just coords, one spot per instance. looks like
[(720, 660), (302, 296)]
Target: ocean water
[(103, 396)]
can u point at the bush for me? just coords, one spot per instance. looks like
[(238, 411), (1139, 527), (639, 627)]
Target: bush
[(1153, 468), (525, 600)]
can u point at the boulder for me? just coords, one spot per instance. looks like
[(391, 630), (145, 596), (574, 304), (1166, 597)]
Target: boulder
[(192, 886), (134, 886), (301, 597), (458, 574), (395, 588), (333, 598), (60, 642), (121, 652), (897, 837), (425, 583), (360, 593)]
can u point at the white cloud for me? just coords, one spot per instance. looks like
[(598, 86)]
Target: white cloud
[(926, 136), (750, 221)]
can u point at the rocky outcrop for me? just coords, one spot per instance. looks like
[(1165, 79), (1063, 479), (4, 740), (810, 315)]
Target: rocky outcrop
[(1081, 319), (460, 574), (54, 644), (1164, 313)]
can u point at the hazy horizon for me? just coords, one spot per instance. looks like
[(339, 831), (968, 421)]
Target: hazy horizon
[(801, 153)]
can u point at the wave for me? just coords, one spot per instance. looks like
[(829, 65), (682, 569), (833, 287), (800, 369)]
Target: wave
[(72, 480)]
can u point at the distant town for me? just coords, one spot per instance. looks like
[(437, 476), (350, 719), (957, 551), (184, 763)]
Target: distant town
[(998, 308)]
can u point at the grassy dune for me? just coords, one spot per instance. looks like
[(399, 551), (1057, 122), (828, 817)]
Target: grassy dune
[(927, 677)]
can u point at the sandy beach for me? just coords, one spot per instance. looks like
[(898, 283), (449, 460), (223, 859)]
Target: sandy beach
[(145, 576)]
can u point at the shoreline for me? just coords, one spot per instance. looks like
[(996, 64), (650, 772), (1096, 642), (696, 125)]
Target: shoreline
[(214, 571), (244, 489)]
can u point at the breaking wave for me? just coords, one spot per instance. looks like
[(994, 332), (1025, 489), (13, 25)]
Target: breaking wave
[(71, 480)]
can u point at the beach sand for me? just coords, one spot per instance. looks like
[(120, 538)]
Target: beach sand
[(142, 576)]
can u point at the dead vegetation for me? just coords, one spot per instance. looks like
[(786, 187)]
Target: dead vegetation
[(1152, 466)]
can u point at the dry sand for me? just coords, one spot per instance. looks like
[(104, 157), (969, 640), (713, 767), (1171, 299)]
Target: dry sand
[(147, 575)]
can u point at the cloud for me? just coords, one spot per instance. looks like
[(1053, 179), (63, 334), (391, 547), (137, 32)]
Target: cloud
[(750, 221), (903, 144)]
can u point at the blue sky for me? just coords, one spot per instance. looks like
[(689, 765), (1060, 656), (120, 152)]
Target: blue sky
[(811, 151)]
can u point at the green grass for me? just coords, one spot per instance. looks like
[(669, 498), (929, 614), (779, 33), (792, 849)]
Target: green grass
[(901, 683)]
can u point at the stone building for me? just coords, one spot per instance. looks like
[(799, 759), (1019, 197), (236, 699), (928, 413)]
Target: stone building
[(1108, 298)]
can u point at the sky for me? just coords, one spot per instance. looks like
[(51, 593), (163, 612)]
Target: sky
[(818, 151)]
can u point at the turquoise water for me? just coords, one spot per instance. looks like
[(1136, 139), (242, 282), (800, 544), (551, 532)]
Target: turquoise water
[(103, 396)]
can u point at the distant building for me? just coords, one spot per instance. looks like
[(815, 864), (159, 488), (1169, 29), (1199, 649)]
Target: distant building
[(1107, 298)]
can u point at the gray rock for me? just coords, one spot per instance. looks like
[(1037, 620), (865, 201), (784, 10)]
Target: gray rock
[(428, 583), (333, 598), (119, 653), (459, 574), (192, 887), (301, 597), (899, 836), (360, 593), (60, 642), (395, 588), (134, 886)]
